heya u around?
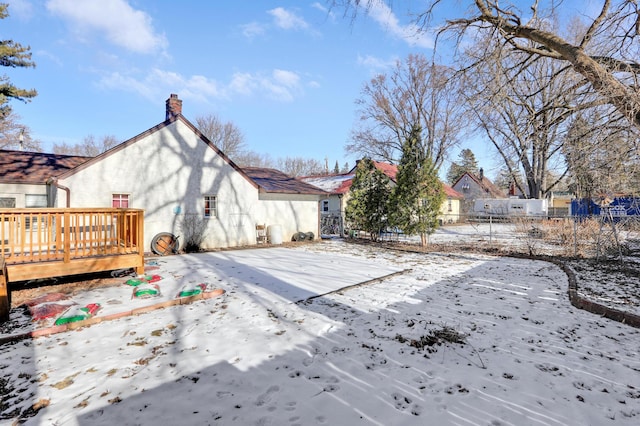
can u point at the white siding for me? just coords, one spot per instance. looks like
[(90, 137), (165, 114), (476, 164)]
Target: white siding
[(294, 213), (19, 192)]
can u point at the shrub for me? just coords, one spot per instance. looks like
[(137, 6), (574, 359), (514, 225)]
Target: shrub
[(194, 229)]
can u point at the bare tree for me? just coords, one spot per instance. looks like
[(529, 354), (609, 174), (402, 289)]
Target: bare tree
[(225, 135), (524, 108), (253, 159), (602, 157), (90, 146), (15, 135), (604, 55), (416, 92), (298, 166)]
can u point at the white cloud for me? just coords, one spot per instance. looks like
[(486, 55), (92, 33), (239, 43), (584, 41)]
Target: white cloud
[(375, 63), (116, 20), (21, 9), (287, 20), (49, 56), (252, 29), (281, 18), (279, 85), (159, 82), (243, 83), (329, 13), (286, 78), (125, 83), (411, 34)]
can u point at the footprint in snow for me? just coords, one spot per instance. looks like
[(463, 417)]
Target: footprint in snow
[(267, 396)]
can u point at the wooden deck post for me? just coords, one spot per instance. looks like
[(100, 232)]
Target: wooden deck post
[(140, 241), (67, 236), (4, 292)]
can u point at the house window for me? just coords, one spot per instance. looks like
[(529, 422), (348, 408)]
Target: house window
[(465, 185), (210, 206), (120, 201), (449, 205), (7, 202), (35, 200), (325, 206)]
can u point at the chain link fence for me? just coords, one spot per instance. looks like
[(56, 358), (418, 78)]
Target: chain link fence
[(596, 237)]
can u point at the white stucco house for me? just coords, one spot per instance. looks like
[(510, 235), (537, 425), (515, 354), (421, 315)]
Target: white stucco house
[(173, 172)]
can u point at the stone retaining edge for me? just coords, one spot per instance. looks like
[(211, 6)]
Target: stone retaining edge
[(575, 299)]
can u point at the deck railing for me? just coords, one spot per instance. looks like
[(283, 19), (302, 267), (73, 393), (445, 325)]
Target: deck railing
[(41, 243)]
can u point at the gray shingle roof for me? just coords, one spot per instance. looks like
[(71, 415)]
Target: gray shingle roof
[(271, 180)]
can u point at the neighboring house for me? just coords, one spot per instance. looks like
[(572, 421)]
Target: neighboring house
[(452, 206), (338, 186), (333, 204), (560, 203), (174, 172), (476, 187)]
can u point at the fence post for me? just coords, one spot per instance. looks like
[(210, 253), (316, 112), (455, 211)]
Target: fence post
[(575, 237), (490, 230)]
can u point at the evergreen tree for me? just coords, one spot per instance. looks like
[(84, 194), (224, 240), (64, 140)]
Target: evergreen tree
[(367, 208), (12, 55), (336, 168), (467, 163), (418, 195)]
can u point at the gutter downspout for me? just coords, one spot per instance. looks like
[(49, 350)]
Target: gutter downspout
[(64, 188)]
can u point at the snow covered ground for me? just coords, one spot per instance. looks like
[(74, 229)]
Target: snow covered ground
[(445, 339)]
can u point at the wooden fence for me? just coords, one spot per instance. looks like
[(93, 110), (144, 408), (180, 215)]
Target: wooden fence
[(44, 243)]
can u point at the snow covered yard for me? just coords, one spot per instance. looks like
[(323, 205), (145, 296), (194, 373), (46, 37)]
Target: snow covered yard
[(460, 339)]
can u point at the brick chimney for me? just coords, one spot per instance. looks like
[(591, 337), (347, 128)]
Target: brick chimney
[(174, 107)]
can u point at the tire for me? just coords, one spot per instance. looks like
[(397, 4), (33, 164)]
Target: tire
[(164, 243), (299, 236)]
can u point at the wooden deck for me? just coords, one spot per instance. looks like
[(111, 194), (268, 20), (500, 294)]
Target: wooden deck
[(44, 243)]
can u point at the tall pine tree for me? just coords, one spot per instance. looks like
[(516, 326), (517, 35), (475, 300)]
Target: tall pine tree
[(467, 163), (418, 195), (12, 55), (368, 206)]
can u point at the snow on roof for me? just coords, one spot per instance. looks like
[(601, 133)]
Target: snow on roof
[(335, 184)]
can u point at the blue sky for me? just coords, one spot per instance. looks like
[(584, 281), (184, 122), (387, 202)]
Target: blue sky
[(286, 73)]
